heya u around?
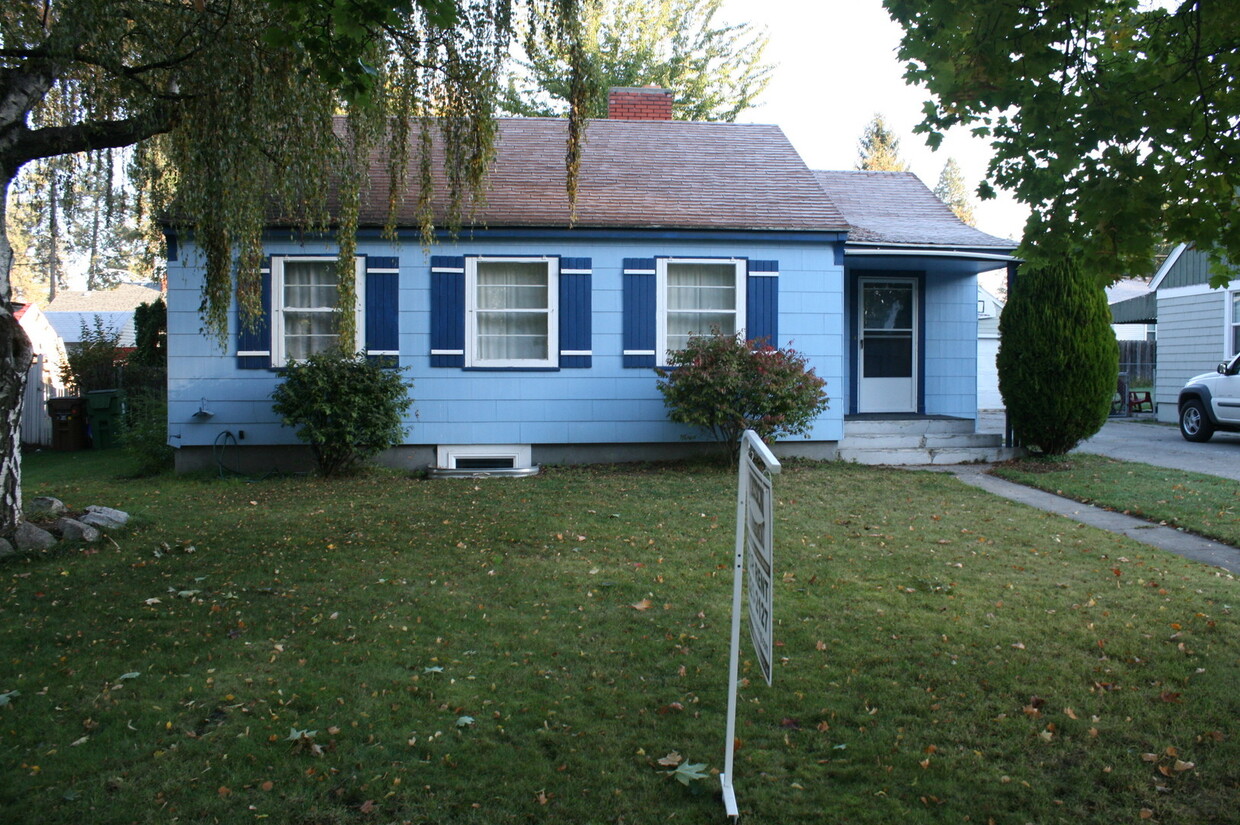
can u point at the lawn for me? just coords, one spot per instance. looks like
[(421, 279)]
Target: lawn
[(390, 649), (1203, 504)]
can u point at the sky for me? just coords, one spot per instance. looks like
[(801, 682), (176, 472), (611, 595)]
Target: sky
[(837, 68)]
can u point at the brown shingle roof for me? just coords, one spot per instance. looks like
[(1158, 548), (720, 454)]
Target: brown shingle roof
[(639, 174), (897, 208), (121, 298)]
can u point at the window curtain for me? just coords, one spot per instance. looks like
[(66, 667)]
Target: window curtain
[(701, 298), (512, 311), (311, 296)]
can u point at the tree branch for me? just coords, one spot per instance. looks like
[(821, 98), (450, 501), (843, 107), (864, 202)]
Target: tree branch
[(31, 144)]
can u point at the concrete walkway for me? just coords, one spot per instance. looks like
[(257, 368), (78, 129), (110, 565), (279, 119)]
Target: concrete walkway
[(1129, 439), (1175, 541)]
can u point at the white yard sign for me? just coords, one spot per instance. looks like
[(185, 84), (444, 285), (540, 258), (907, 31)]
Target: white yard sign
[(754, 519)]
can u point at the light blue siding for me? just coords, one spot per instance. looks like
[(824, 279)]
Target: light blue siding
[(951, 345), (605, 403)]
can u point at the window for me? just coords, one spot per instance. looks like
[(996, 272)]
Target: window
[(665, 299), (1235, 323), (697, 297), (510, 312), (305, 297), (511, 318)]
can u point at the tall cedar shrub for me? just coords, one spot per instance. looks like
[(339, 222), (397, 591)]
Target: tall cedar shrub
[(1058, 361), (726, 385), (144, 425), (348, 409)]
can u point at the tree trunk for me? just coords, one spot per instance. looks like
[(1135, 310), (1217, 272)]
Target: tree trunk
[(15, 354)]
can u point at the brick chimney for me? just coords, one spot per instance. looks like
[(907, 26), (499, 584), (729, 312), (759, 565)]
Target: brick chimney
[(641, 103)]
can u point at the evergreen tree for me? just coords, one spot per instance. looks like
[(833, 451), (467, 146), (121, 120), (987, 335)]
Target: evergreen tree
[(878, 150), (714, 69), (952, 191), (1058, 360)]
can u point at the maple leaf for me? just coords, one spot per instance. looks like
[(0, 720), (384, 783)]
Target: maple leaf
[(689, 772), (644, 604), (671, 760)]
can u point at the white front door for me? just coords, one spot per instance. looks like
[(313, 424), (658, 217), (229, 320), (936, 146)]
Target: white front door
[(887, 345)]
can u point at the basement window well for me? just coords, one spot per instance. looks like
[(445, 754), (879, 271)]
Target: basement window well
[(482, 460)]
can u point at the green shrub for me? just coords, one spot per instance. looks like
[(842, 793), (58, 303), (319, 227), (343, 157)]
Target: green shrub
[(94, 361), (1058, 361), (144, 431), (345, 407), (726, 385)]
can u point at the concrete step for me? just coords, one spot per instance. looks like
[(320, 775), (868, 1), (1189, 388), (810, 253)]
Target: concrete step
[(918, 457), (910, 441), (906, 426)]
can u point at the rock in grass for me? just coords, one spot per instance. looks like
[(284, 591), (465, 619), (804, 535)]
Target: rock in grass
[(29, 537), (74, 530), (46, 506), (104, 518)]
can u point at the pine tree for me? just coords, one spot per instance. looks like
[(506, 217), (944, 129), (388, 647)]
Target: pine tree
[(714, 69), (1058, 361), (952, 191), (879, 149)]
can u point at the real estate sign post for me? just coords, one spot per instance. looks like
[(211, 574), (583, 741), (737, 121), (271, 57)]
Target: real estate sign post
[(754, 519)]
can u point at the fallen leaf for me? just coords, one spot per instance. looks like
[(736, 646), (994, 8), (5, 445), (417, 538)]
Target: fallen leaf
[(268, 785), (644, 604), (671, 760), (1149, 757), (1146, 813), (1070, 713), (368, 806), (224, 790), (821, 645), (1181, 765)]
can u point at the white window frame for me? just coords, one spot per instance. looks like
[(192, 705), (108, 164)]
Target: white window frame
[(661, 310), (278, 347), (1231, 330), (472, 358)]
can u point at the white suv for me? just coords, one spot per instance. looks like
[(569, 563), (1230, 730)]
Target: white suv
[(1211, 402)]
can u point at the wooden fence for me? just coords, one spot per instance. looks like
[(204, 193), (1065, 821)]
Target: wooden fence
[(40, 386), (1137, 358)]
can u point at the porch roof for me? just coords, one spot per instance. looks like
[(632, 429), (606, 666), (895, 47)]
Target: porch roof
[(897, 209)]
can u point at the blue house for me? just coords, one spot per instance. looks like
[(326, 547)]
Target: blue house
[(531, 338)]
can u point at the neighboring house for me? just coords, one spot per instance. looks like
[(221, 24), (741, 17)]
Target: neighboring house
[(989, 308), (1198, 326), (112, 309), (43, 381), (532, 337), (1127, 289)]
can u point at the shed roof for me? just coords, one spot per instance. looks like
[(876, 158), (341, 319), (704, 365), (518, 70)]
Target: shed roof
[(897, 208), (636, 174)]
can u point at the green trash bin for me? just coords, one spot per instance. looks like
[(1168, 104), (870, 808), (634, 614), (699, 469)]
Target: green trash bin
[(68, 423), (103, 409)]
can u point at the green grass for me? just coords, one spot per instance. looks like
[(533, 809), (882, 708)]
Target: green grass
[(942, 655), (1203, 504)]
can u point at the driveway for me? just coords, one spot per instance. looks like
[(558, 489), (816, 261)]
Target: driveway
[(1163, 446)]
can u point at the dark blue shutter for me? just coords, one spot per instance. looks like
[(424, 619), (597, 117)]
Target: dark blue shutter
[(576, 321), (762, 302), (639, 312), (382, 334), (447, 311), (254, 344)]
